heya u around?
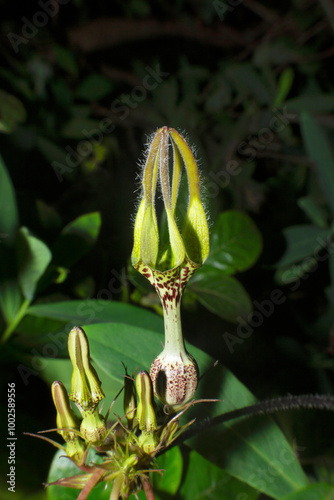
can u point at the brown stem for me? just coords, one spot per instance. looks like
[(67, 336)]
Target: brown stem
[(96, 476), (148, 489)]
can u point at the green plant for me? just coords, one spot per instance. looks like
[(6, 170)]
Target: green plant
[(125, 453)]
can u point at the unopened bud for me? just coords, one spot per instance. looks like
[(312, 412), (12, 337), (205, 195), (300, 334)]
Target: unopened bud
[(93, 427), (86, 389), (145, 414), (130, 401), (66, 419)]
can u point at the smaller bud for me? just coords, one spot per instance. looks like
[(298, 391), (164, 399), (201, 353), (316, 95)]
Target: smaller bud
[(66, 418), (130, 401), (145, 414), (93, 427), (86, 389)]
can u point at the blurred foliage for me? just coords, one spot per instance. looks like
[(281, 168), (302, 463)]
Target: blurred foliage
[(81, 86)]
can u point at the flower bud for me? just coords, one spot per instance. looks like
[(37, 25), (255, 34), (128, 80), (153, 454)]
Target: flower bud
[(145, 413), (86, 389), (130, 402), (93, 427), (66, 419)]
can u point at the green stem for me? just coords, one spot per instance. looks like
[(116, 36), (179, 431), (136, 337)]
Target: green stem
[(174, 342), (11, 327), (116, 487)]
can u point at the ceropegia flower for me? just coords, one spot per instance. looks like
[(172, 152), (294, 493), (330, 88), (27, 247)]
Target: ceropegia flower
[(86, 390), (169, 267), (66, 420)]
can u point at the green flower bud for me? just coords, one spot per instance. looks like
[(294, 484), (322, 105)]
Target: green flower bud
[(191, 248), (86, 389), (130, 401), (93, 427), (66, 419), (145, 413)]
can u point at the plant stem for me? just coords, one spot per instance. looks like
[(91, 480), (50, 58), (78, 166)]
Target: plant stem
[(148, 490), (174, 342), (11, 327), (116, 487), (266, 407)]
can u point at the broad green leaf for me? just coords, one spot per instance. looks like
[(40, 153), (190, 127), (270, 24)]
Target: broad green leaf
[(302, 241), (319, 150), (203, 480), (85, 312), (8, 208), (172, 463), (94, 87), (319, 491), (221, 294), (63, 467), (49, 324), (236, 242), (12, 112), (253, 450), (34, 257), (76, 239), (10, 299)]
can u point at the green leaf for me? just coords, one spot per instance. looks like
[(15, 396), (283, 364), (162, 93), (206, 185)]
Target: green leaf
[(34, 257), (10, 299), (94, 87), (319, 150), (319, 491), (284, 86), (76, 239), (221, 294), (50, 323), (236, 242), (254, 450), (63, 467), (85, 312), (12, 112), (311, 103), (313, 211), (8, 208), (248, 81), (172, 463), (302, 241), (206, 481)]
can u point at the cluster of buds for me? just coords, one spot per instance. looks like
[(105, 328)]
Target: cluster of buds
[(129, 451), (169, 265)]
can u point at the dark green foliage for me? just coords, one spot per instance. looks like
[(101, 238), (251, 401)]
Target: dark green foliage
[(250, 84)]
